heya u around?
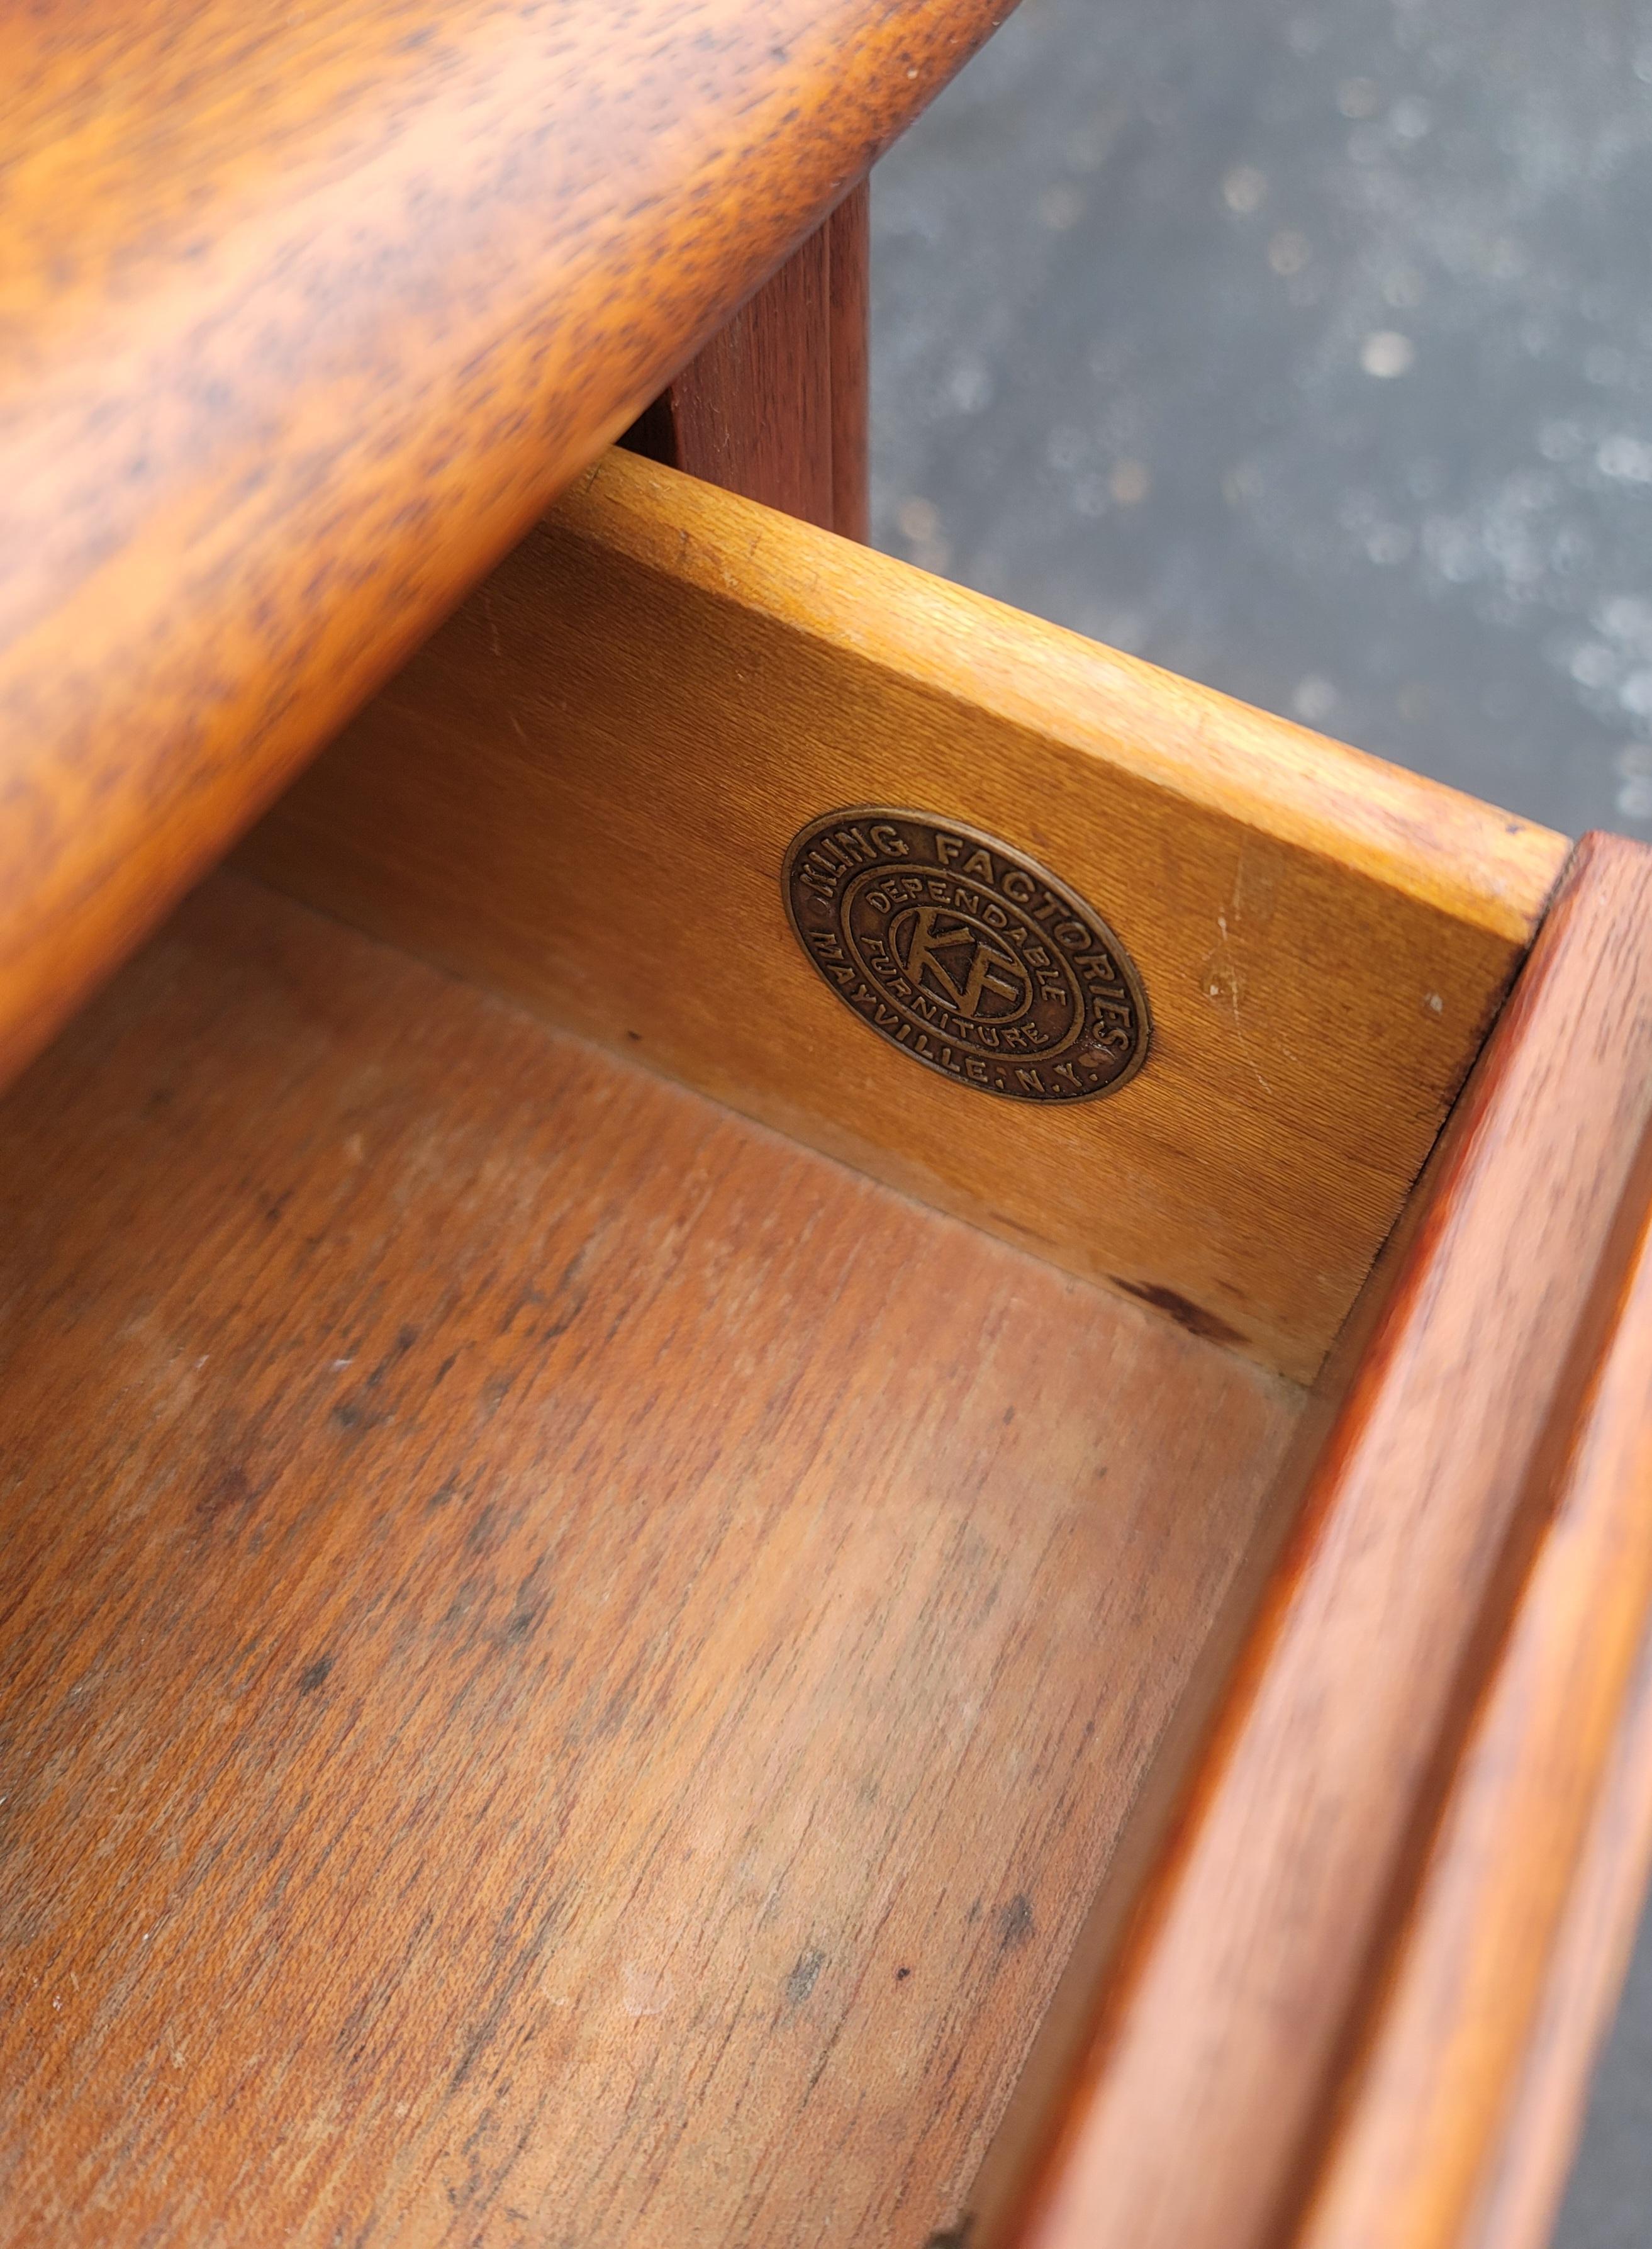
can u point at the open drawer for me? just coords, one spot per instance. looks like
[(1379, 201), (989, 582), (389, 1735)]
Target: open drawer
[(664, 1591)]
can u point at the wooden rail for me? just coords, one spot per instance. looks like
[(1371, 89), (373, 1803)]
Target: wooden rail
[(1369, 1940), (307, 316)]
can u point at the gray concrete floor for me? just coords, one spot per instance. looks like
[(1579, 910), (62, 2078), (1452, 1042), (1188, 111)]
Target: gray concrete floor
[(1308, 349)]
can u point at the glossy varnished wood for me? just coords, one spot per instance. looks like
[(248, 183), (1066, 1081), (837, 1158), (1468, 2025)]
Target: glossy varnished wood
[(1331, 1987), (1450, 2034), (752, 412), (851, 225), (1525, 2178), (309, 311), (583, 790), (775, 407), (570, 1667)]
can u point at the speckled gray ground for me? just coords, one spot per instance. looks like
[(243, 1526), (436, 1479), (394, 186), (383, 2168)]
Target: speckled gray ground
[(1308, 350)]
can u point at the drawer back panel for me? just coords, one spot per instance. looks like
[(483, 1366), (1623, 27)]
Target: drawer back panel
[(582, 792)]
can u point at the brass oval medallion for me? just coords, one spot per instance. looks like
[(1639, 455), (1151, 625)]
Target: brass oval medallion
[(968, 955)]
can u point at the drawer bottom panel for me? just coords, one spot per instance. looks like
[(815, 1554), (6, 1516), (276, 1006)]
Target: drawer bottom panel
[(575, 1666)]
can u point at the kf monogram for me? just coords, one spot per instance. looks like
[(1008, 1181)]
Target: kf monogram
[(927, 942)]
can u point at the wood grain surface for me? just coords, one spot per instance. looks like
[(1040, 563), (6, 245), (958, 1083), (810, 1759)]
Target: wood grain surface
[(582, 790), (776, 406), (753, 411), (1457, 1597), (1525, 2177), (569, 1667), (851, 226), (310, 312), (1445, 2044)]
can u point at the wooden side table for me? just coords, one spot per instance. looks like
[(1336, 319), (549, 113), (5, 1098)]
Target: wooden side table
[(828, 1423)]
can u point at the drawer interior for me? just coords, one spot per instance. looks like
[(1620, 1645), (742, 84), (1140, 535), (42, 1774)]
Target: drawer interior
[(586, 1639), (568, 1654)]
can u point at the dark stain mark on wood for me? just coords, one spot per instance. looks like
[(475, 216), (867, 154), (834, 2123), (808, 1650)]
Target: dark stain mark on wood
[(1194, 1318), (1015, 1922), (315, 1674), (800, 1982), (224, 1493), (406, 1337), (355, 1420)]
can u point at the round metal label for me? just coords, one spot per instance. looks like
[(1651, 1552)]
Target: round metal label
[(966, 954)]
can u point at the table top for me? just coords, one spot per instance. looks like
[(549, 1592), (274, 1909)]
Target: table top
[(307, 317)]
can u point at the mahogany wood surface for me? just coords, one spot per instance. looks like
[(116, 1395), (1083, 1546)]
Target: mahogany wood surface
[(310, 312), (753, 411), (775, 408), (851, 225), (1445, 2044), (1525, 2178), (1423, 1721), (582, 791), (571, 1667)]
